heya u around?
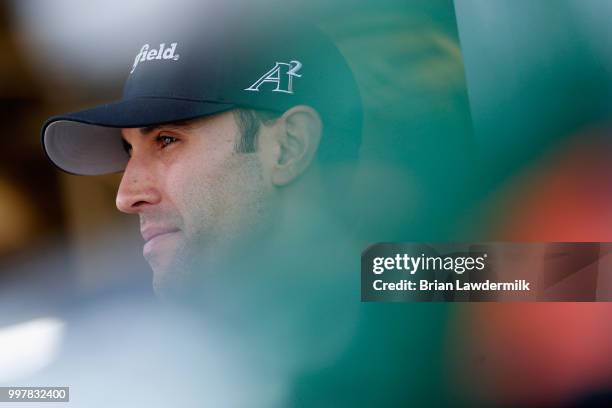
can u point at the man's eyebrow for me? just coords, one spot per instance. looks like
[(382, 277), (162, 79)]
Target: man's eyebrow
[(147, 130), (176, 125)]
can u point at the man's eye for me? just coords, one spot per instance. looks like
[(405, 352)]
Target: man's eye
[(165, 140)]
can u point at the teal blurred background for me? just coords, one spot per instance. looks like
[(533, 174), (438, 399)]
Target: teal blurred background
[(539, 79)]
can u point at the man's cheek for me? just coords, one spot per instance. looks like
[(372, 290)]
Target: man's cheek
[(198, 204)]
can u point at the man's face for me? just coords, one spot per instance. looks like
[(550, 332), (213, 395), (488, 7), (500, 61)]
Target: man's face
[(195, 195)]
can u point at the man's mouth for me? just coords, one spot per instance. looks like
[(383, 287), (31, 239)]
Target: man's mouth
[(151, 232)]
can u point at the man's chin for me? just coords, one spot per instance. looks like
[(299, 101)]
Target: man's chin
[(172, 279), (166, 258), (189, 271)]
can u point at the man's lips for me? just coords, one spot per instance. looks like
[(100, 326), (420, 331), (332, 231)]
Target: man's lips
[(151, 232)]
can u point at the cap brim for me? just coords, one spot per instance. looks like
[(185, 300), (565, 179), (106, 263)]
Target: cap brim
[(89, 142)]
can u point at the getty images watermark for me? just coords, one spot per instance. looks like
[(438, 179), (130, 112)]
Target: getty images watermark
[(495, 271)]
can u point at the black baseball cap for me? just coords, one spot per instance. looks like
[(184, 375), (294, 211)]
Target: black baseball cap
[(224, 63)]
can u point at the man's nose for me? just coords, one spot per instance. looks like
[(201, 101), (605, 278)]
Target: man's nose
[(138, 188)]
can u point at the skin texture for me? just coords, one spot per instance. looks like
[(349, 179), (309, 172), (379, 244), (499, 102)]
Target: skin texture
[(188, 181)]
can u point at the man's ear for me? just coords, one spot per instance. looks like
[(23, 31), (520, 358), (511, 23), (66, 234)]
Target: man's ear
[(298, 138)]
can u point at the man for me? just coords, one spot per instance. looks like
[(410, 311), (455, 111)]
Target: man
[(233, 141), (223, 134)]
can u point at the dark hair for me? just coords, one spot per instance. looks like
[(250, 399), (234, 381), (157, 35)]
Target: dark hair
[(249, 122), (343, 148)]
